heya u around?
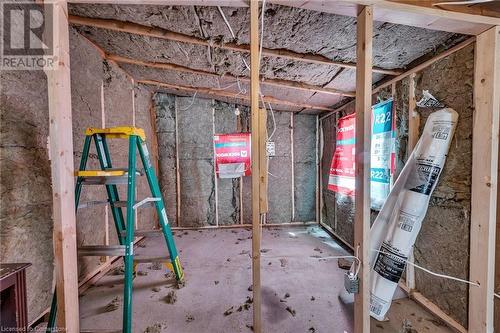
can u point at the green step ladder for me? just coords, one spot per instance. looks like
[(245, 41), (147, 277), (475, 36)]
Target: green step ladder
[(125, 229)]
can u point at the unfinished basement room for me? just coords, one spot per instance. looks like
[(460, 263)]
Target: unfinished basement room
[(267, 166)]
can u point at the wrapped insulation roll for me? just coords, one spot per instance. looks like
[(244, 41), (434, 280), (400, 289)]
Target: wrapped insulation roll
[(395, 230)]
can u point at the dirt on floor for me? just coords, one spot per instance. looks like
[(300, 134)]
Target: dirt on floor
[(300, 288)]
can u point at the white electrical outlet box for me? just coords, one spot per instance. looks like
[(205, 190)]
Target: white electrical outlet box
[(271, 148)]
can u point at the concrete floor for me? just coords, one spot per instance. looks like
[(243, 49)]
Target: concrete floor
[(299, 291)]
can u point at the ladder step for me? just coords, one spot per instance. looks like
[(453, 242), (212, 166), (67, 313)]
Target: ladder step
[(140, 233), (101, 250), (147, 202), (92, 203), (142, 260)]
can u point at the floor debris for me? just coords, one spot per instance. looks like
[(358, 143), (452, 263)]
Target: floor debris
[(156, 289), (265, 250), (113, 305), (120, 270), (156, 328), (216, 282), (156, 266), (229, 311), (283, 262), (292, 311), (189, 318), (344, 263), (142, 273), (171, 297)]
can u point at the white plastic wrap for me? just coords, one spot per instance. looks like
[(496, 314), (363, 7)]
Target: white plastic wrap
[(396, 228)]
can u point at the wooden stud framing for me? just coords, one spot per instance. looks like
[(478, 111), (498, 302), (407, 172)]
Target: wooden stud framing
[(177, 170), (413, 135), (227, 94), (62, 169), (216, 179), (286, 84), (485, 146), (362, 172), (254, 99), (139, 29), (292, 166)]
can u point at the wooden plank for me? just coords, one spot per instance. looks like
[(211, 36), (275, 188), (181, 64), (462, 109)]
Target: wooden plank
[(155, 32), (362, 170), (386, 11), (425, 64), (227, 94), (177, 170), (318, 171), (433, 308), (292, 166), (413, 135), (263, 162), (256, 226), (484, 192), (62, 171), (409, 72), (270, 82), (216, 179), (403, 13)]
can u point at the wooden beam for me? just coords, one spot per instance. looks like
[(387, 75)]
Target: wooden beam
[(227, 94), (254, 100), (403, 13), (409, 72), (425, 64), (433, 308), (138, 29), (413, 135), (62, 169), (485, 9), (271, 82), (362, 170), (485, 146)]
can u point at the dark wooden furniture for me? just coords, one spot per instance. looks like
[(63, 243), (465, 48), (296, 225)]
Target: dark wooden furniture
[(13, 307)]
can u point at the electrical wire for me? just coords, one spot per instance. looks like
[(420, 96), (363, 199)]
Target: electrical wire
[(470, 2), (274, 122), (232, 33), (192, 102), (431, 272)]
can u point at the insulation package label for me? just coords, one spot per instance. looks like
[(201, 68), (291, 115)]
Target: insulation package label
[(397, 225), (341, 179), (232, 155)]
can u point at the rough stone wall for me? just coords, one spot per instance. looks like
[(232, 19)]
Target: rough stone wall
[(304, 159), (196, 124), (443, 242), (26, 205), (338, 209)]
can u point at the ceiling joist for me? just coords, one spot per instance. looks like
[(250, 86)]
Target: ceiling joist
[(227, 94), (138, 29), (286, 84)]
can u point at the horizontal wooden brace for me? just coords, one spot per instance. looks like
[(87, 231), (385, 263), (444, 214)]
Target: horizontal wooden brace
[(222, 93), (138, 29), (271, 82)]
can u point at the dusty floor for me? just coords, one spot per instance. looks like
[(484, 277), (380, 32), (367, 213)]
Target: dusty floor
[(300, 291)]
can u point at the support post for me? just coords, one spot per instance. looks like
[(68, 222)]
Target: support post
[(362, 196), (485, 146), (413, 134), (254, 99), (62, 171)]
